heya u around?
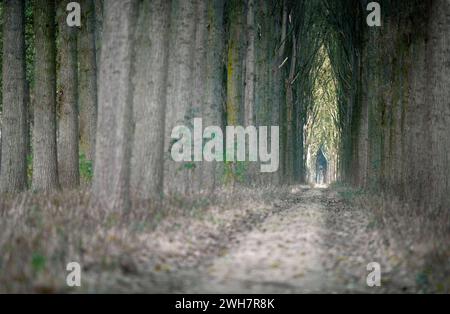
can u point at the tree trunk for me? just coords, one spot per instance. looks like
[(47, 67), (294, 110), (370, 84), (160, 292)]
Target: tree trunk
[(98, 29), (13, 167), (113, 145), (213, 104), (68, 167), (45, 170), (235, 63), (199, 79), (150, 83), (279, 112), (179, 90), (262, 71), (87, 80), (250, 84), (235, 72), (438, 96), (290, 134), (249, 100)]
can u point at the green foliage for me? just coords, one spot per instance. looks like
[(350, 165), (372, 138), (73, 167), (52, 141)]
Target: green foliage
[(240, 171), (189, 165), (422, 279), (38, 262), (234, 172), (86, 169)]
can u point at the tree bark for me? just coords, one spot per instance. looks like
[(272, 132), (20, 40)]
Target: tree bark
[(87, 80), (179, 90), (213, 103), (45, 169), (262, 77), (235, 80), (290, 133), (235, 74), (199, 80), (68, 158), (279, 102), (250, 83), (14, 142), (113, 145), (149, 103), (98, 9), (249, 100), (438, 96)]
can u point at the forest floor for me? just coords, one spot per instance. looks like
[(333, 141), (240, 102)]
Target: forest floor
[(308, 241), (286, 240)]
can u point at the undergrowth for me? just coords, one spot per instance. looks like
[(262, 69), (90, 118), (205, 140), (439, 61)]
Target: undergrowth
[(41, 233), (421, 238)]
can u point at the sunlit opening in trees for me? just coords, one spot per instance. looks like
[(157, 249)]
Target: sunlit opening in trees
[(321, 132)]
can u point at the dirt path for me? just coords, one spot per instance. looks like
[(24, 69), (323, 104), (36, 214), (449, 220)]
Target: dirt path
[(313, 243), (281, 254), (317, 245)]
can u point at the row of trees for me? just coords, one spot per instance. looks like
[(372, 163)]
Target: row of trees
[(114, 88), (48, 73), (394, 99), (223, 61)]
